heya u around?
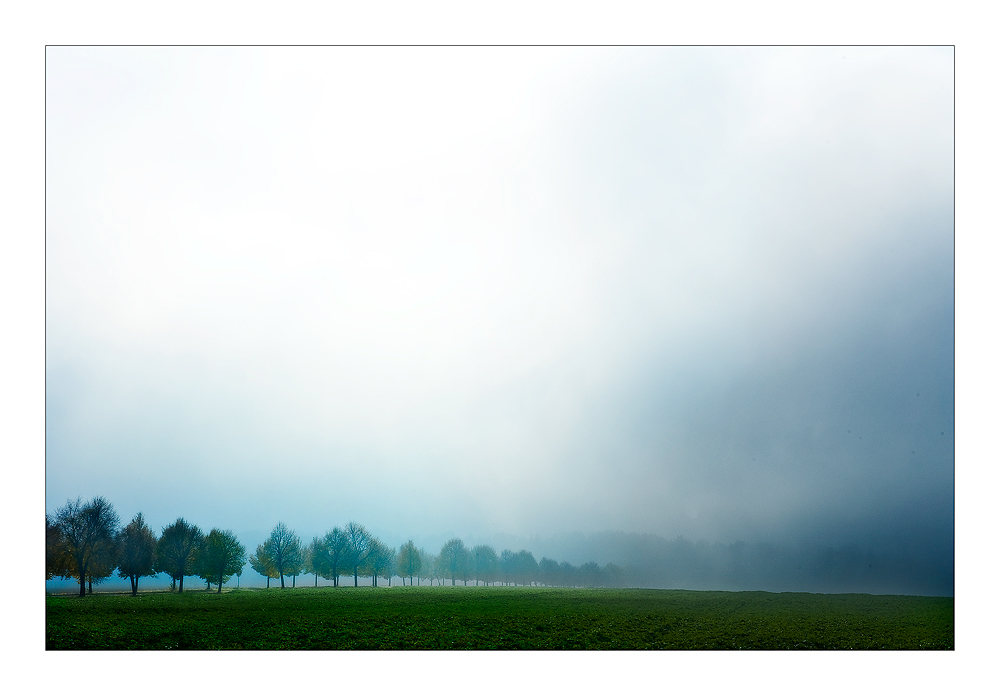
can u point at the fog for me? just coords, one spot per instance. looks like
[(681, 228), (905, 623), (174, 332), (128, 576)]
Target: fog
[(601, 304)]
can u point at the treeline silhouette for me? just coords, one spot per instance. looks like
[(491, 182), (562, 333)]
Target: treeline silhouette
[(85, 541)]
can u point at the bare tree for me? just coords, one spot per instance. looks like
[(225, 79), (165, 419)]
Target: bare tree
[(136, 551), (88, 534)]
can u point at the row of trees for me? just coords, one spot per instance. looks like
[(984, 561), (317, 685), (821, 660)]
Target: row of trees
[(353, 550), (83, 541)]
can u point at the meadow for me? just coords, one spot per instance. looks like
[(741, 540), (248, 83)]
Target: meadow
[(496, 618)]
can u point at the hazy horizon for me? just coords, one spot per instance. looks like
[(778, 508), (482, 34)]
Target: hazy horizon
[(506, 292)]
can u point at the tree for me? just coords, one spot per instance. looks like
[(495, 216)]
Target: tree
[(88, 534), (455, 559), (261, 562), (58, 561), (103, 566), (484, 561), (379, 560), (568, 574), (311, 559), (136, 551), (357, 547), (285, 551), (428, 567), (548, 570), (221, 556), (614, 575), (508, 565), (590, 574), (527, 567), (408, 561), (177, 549), (333, 552)]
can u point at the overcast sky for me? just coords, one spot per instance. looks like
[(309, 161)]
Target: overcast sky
[(525, 291)]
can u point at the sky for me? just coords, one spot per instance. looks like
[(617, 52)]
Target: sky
[(505, 291)]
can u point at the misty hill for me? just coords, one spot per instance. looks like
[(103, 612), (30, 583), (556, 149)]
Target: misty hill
[(680, 563)]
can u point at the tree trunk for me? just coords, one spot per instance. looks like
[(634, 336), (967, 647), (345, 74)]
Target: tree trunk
[(180, 587), (83, 585), (316, 584), (282, 576), (269, 582)]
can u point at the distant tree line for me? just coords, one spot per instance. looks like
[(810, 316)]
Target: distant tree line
[(84, 541)]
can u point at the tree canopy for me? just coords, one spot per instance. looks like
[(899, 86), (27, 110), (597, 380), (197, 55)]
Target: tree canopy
[(285, 551), (408, 561), (221, 556), (136, 551), (359, 542), (88, 532), (177, 549)]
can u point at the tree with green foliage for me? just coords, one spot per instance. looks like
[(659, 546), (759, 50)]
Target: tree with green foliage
[(428, 567), (177, 549), (261, 562), (221, 556), (567, 574), (332, 555), (380, 560), (484, 562), (136, 551), (590, 574), (408, 561), (58, 561), (527, 567), (508, 566), (454, 558), (358, 545), (548, 571), (285, 551), (103, 566), (311, 559), (614, 575), (88, 532)]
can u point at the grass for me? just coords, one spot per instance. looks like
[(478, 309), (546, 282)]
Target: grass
[(496, 618)]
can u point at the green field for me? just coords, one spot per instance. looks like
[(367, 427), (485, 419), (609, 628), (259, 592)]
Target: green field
[(496, 618)]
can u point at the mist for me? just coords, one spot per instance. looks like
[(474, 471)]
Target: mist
[(689, 310)]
